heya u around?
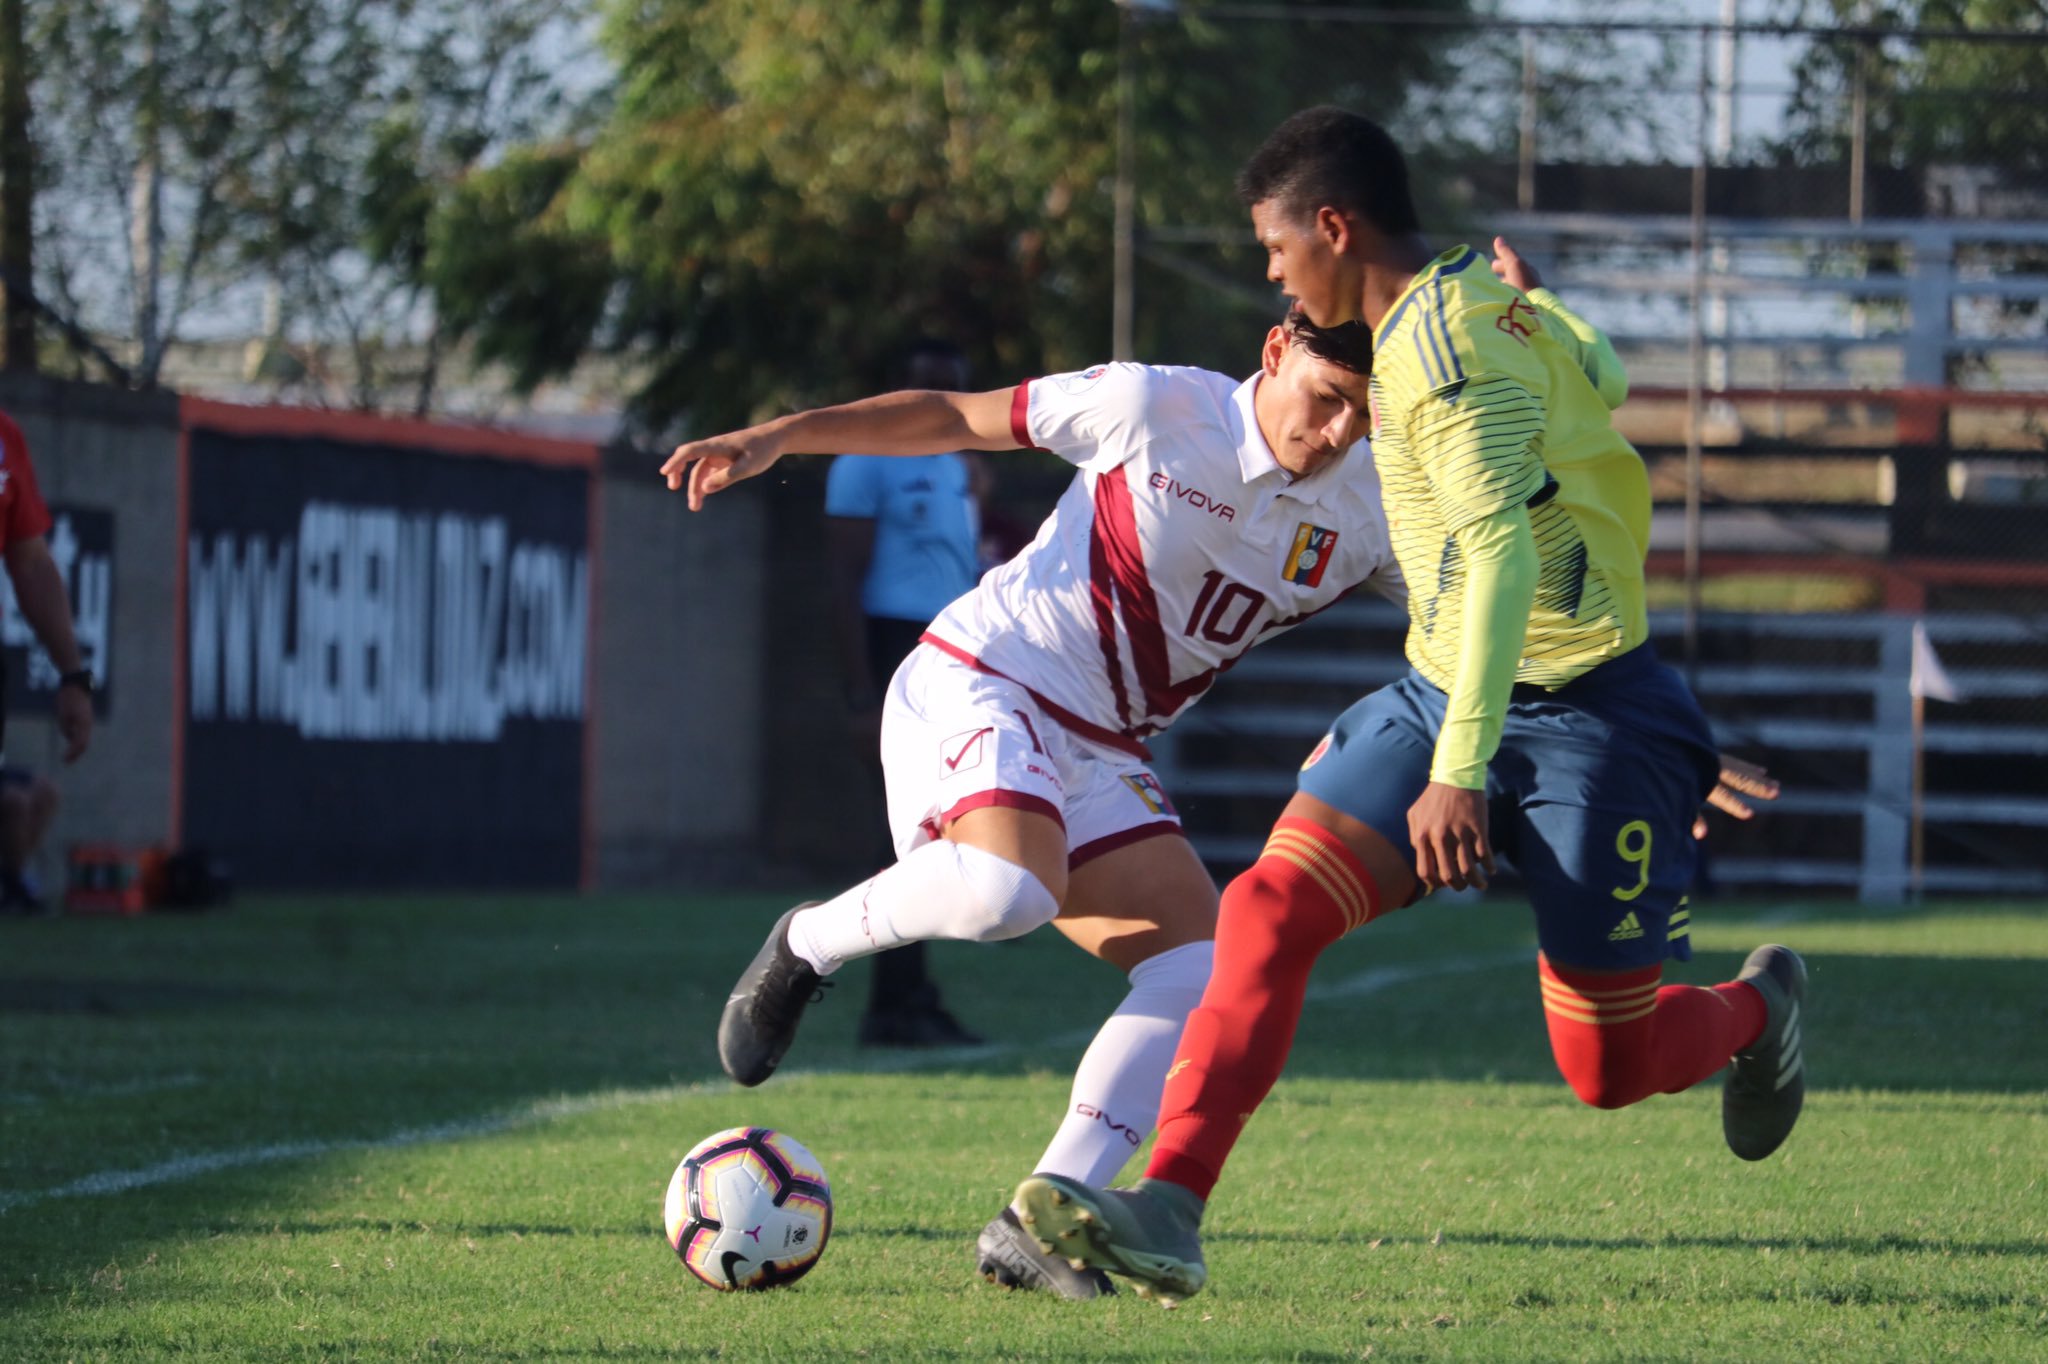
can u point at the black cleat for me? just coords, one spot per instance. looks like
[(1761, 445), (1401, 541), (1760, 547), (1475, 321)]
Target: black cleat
[(1766, 1086), (765, 1006), (1010, 1258)]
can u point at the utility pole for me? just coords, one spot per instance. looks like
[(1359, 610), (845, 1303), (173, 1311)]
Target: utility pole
[(1123, 309), (146, 198), (1696, 356), (1525, 152), (1123, 247), (17, 200)]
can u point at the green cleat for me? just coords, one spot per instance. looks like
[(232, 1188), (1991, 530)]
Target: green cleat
[(1147, 1233), (1766, 1086)]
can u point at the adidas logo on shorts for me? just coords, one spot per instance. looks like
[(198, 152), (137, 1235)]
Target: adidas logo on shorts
[(1627, 930)]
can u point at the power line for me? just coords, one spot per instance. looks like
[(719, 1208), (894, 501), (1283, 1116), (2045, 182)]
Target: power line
[(1417, 18)]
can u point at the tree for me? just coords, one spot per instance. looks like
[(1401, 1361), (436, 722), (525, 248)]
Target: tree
[(1927, 100), (234, 144), (480, 82), (1922, 98), (17, 196), (788, 190)]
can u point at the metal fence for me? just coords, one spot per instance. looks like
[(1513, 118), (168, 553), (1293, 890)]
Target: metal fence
[(1823, 253)]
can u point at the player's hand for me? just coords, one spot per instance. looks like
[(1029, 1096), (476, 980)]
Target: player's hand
[(1741, 782), (718, 462), (74, 721), (1513, 270), (1448, 828)]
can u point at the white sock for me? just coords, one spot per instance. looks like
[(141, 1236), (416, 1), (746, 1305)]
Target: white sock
[(1115, 1099), (942, 890)]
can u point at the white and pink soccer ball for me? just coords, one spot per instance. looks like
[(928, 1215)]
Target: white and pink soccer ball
[(749, 1207)]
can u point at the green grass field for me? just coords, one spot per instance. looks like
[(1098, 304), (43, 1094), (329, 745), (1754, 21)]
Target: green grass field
[(440, 1129)]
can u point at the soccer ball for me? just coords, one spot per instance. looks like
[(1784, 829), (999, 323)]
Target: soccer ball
[(748, 1208)]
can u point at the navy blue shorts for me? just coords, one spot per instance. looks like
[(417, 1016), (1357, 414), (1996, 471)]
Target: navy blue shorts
[(1592, 796)]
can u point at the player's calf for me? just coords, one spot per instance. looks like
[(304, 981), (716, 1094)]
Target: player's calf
[(1621, 1036)]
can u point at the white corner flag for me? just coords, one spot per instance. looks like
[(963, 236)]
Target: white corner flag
[(1929, 677)]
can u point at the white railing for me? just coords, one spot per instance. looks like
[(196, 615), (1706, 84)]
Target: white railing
[(1876, 866)]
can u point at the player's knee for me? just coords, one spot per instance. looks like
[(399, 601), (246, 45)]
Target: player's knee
[(1006, 900), (1604, 1077), (1176, 976), (1599, 1092)]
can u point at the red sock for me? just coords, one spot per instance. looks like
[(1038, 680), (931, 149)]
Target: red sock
[(1306, 891), (1618, 1038)]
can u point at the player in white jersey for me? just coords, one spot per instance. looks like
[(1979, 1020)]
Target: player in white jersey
[(1207, 515)]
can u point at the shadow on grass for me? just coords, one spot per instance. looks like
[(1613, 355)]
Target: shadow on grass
[(45, 995), (925, 1350), (424, 1012), (1833, 1245), (386, 1226)]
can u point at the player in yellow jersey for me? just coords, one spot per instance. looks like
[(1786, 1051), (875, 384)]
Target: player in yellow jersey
[(1536, 719)]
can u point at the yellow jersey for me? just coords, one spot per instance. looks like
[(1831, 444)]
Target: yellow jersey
[(1485, 399)]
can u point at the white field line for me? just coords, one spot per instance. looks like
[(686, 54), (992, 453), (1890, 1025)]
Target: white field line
[(64, 1088), (549, 1110)]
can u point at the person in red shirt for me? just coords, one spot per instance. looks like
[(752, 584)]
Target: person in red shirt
[(26, 801)]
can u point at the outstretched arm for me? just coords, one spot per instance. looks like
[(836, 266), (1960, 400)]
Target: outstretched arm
[(913, 422), (1587, 343)]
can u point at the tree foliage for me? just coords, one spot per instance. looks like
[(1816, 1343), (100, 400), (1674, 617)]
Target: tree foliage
[(221, 165), (1929, 100), (786, 191)]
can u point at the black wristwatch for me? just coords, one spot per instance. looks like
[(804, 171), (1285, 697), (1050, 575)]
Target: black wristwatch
[(80, 678)]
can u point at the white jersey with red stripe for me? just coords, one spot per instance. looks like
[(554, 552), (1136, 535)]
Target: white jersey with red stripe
[(1180, 544)]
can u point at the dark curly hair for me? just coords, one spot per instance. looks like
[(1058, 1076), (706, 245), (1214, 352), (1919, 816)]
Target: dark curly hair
[(1347, 345), (1328, 156)]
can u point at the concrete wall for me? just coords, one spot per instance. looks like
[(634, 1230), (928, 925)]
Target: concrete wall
[(679, 717), (822, 815), (680, 710), (100, 447)]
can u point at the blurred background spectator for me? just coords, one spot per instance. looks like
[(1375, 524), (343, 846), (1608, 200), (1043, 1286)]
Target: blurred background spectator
[(904, 539)]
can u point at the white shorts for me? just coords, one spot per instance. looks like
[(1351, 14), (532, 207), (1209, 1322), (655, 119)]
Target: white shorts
[(956, 739)]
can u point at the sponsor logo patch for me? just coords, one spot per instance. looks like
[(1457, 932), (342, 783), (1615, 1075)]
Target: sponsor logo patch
[(1150, 791), (1194, 497), (1628, 929), (1082, 381), (1315, 755), (1310, 555), (962, 752), (1519, 321), (1120, 1129)]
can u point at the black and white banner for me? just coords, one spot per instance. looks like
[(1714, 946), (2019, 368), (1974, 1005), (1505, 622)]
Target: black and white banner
[(386, 664)]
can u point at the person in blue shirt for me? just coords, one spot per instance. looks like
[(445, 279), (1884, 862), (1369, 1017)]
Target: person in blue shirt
[(902, 535)]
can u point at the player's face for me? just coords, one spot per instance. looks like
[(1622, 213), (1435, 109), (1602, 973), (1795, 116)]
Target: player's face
[(1310, 410), (1307, 256)]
